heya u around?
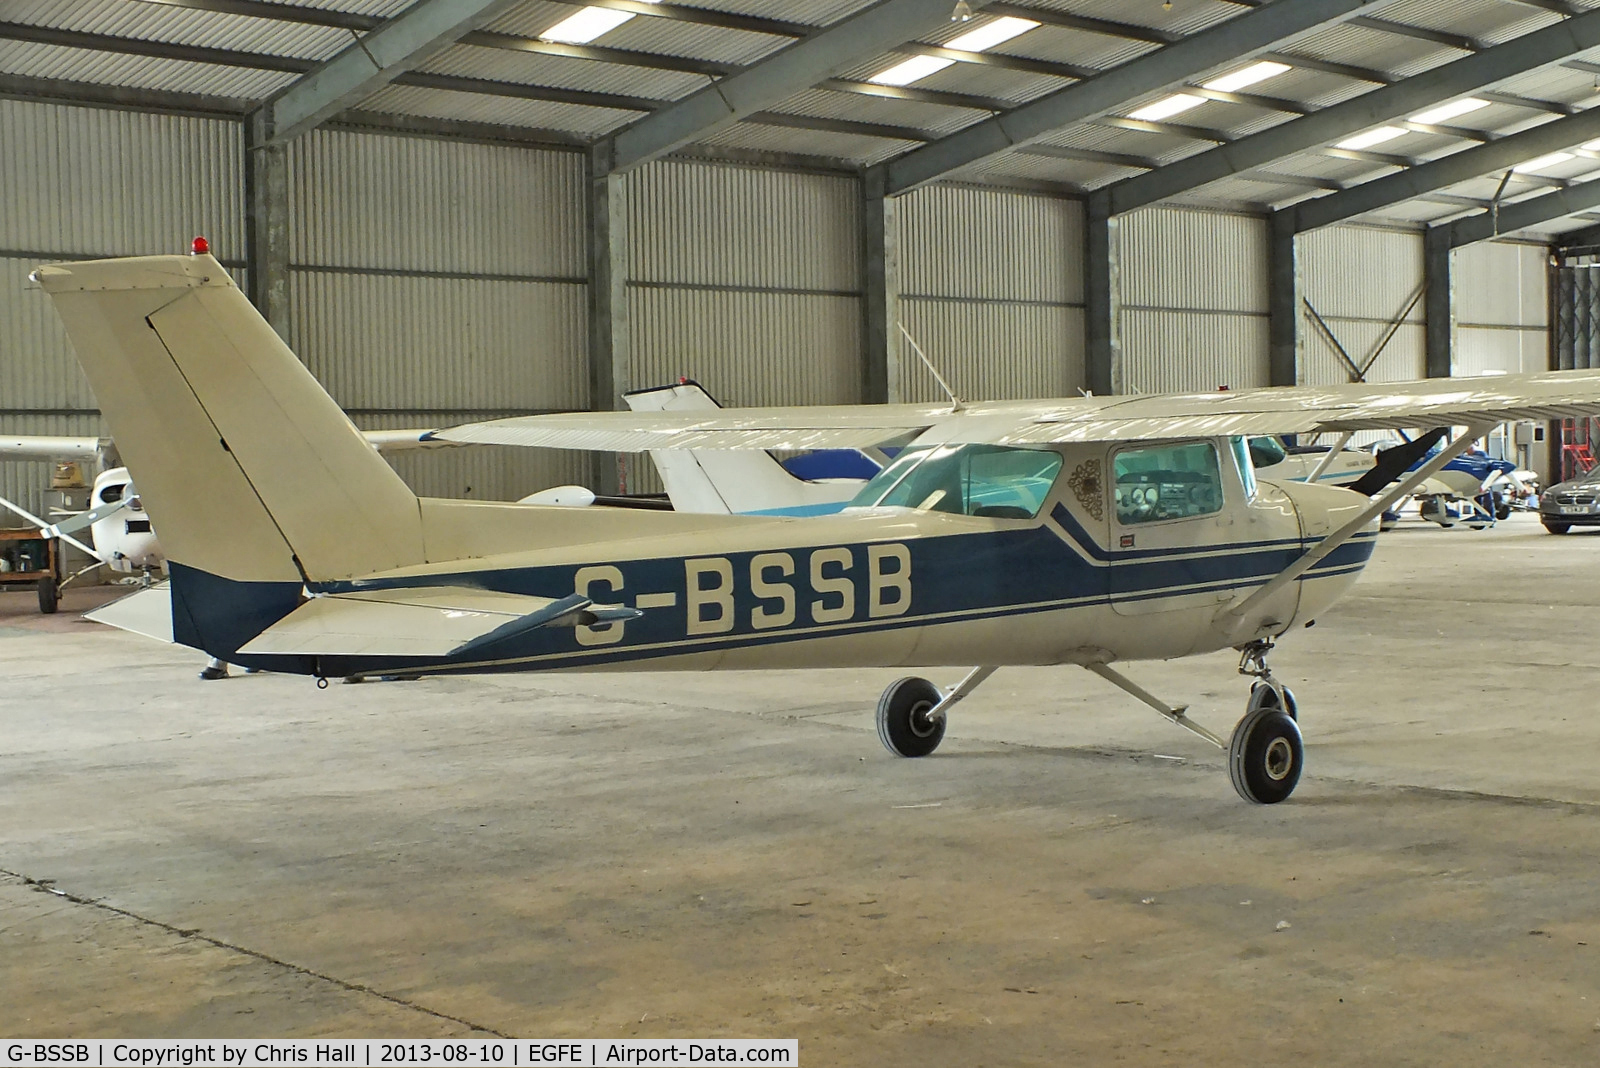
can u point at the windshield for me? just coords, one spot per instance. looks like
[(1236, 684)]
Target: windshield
[(1264, 452), (978, 480)]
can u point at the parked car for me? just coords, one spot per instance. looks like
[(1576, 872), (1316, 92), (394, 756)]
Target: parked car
[(1575, 502)]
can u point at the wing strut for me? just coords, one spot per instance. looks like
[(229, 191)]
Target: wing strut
[(46, 530), (1378, 506)]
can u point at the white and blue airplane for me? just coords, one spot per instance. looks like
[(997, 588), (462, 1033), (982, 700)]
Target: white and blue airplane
[(1083, 531)]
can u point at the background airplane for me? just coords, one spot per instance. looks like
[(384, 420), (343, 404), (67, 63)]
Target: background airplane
[(1086, 531)]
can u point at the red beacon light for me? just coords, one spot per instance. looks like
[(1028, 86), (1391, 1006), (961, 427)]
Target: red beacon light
[(199, 247)]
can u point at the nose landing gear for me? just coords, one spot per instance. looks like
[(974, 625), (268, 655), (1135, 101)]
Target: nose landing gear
[(1265, 752)]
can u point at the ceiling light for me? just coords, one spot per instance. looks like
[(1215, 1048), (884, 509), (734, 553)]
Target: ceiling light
[(586, 25), (1446, 112), (1167, 107), (981, 39), (1590, 146), (1239, 79), (1542, 162), (990, 34), (1372, 137)]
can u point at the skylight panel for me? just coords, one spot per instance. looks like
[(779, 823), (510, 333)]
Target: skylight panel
[(981, 39), (1542, 162), (1453, 110), (1248, 76), (1167, 107), (1371, 137), (586, 24)]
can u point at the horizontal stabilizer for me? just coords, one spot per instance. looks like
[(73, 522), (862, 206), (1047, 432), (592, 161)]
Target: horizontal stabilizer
[(148, 612), (417, 621)]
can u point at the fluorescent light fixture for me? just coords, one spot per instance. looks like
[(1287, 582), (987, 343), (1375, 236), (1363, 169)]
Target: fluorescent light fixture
[(990, 34), (585, 25), (1167, 107), (1590, 146), (912, 70), (1372, 137), (1247, 76), (981, 39), (1542, 162), (1453, 110)]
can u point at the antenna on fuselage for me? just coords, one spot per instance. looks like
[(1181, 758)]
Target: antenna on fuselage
[(956, 402)]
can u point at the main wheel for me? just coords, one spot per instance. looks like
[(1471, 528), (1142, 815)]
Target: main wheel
[(1264, 696), (904, 726), (1556, 527), (49, 597), (1265, 756)]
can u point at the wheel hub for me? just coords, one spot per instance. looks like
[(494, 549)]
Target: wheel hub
[(1279, 759), (922, 724)]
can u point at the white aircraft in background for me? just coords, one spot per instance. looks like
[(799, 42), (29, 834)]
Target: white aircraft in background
[(1087, 531), (123, 539)]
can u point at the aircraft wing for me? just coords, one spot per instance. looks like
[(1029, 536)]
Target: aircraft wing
[(842, 426), (400, 440), (1280, 410), (418, 621)]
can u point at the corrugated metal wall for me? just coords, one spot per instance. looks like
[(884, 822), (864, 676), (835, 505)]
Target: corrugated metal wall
[(1194, 300), (435, 282), (1360, 279), (747, 280), (991, 286), (1502, 308), (84, 183)]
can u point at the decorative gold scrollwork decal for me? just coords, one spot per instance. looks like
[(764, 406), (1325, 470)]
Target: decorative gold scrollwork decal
[(1085, 484)]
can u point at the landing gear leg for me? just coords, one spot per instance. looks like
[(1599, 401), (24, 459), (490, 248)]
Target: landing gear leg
[(1265, 753), (911, 712)]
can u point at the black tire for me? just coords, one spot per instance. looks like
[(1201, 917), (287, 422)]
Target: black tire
[(904, 726), (1556, 528), (1502, 511), (1265, 756), (1264, 696), (49, 596)]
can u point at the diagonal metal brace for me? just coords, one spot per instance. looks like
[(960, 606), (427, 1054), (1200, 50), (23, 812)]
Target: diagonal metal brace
[(1178, 714)]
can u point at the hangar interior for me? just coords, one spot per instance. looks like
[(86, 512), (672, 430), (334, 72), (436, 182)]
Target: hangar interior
[(457, 210), (499, 222)]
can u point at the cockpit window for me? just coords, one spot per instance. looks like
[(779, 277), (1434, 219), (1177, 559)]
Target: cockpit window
[(1162, 482), (978, 480)]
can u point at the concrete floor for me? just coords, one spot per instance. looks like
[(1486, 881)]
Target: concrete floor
[(1069, 880)]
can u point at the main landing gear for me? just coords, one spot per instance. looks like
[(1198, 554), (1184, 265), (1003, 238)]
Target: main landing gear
[(1265, 753)]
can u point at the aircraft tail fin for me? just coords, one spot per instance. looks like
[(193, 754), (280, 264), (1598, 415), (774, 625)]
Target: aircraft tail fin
[(248, 468), (729, 481)]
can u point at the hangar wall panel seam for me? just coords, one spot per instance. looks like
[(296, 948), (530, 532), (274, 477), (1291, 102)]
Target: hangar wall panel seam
[(991, 287)]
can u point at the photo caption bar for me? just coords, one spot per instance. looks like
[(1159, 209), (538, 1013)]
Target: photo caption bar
[(407, 1053)]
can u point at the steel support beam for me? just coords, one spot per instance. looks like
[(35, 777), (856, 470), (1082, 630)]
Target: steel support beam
[(371, 62), (1579, 238), (1524, 214), (266, 219), (822, 55), (1102, 299), (609, 335), (1428, 177), (1438, 307), (1540, 48), (1234, 41), (1284, 294), (882, 378)]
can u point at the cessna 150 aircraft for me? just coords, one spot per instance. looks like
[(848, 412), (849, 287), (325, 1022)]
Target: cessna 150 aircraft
[(1087, 531)]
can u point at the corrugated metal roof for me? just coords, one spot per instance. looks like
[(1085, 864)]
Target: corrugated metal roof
[(506, 110), (853, 147), (179, 25), (1489, 21), (528, 68), (140, 72)]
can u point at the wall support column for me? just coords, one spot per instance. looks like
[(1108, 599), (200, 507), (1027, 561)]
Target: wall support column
[(609, 340), (1285, 292), (266, 233), (1101, 298), (882, 376), (1438, 302)]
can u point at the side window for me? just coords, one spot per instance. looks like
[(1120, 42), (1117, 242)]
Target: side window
[(1010, 483), (1167, 482), (992, 481)]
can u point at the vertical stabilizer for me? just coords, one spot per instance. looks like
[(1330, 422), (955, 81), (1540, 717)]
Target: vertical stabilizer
[(247, 467)]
